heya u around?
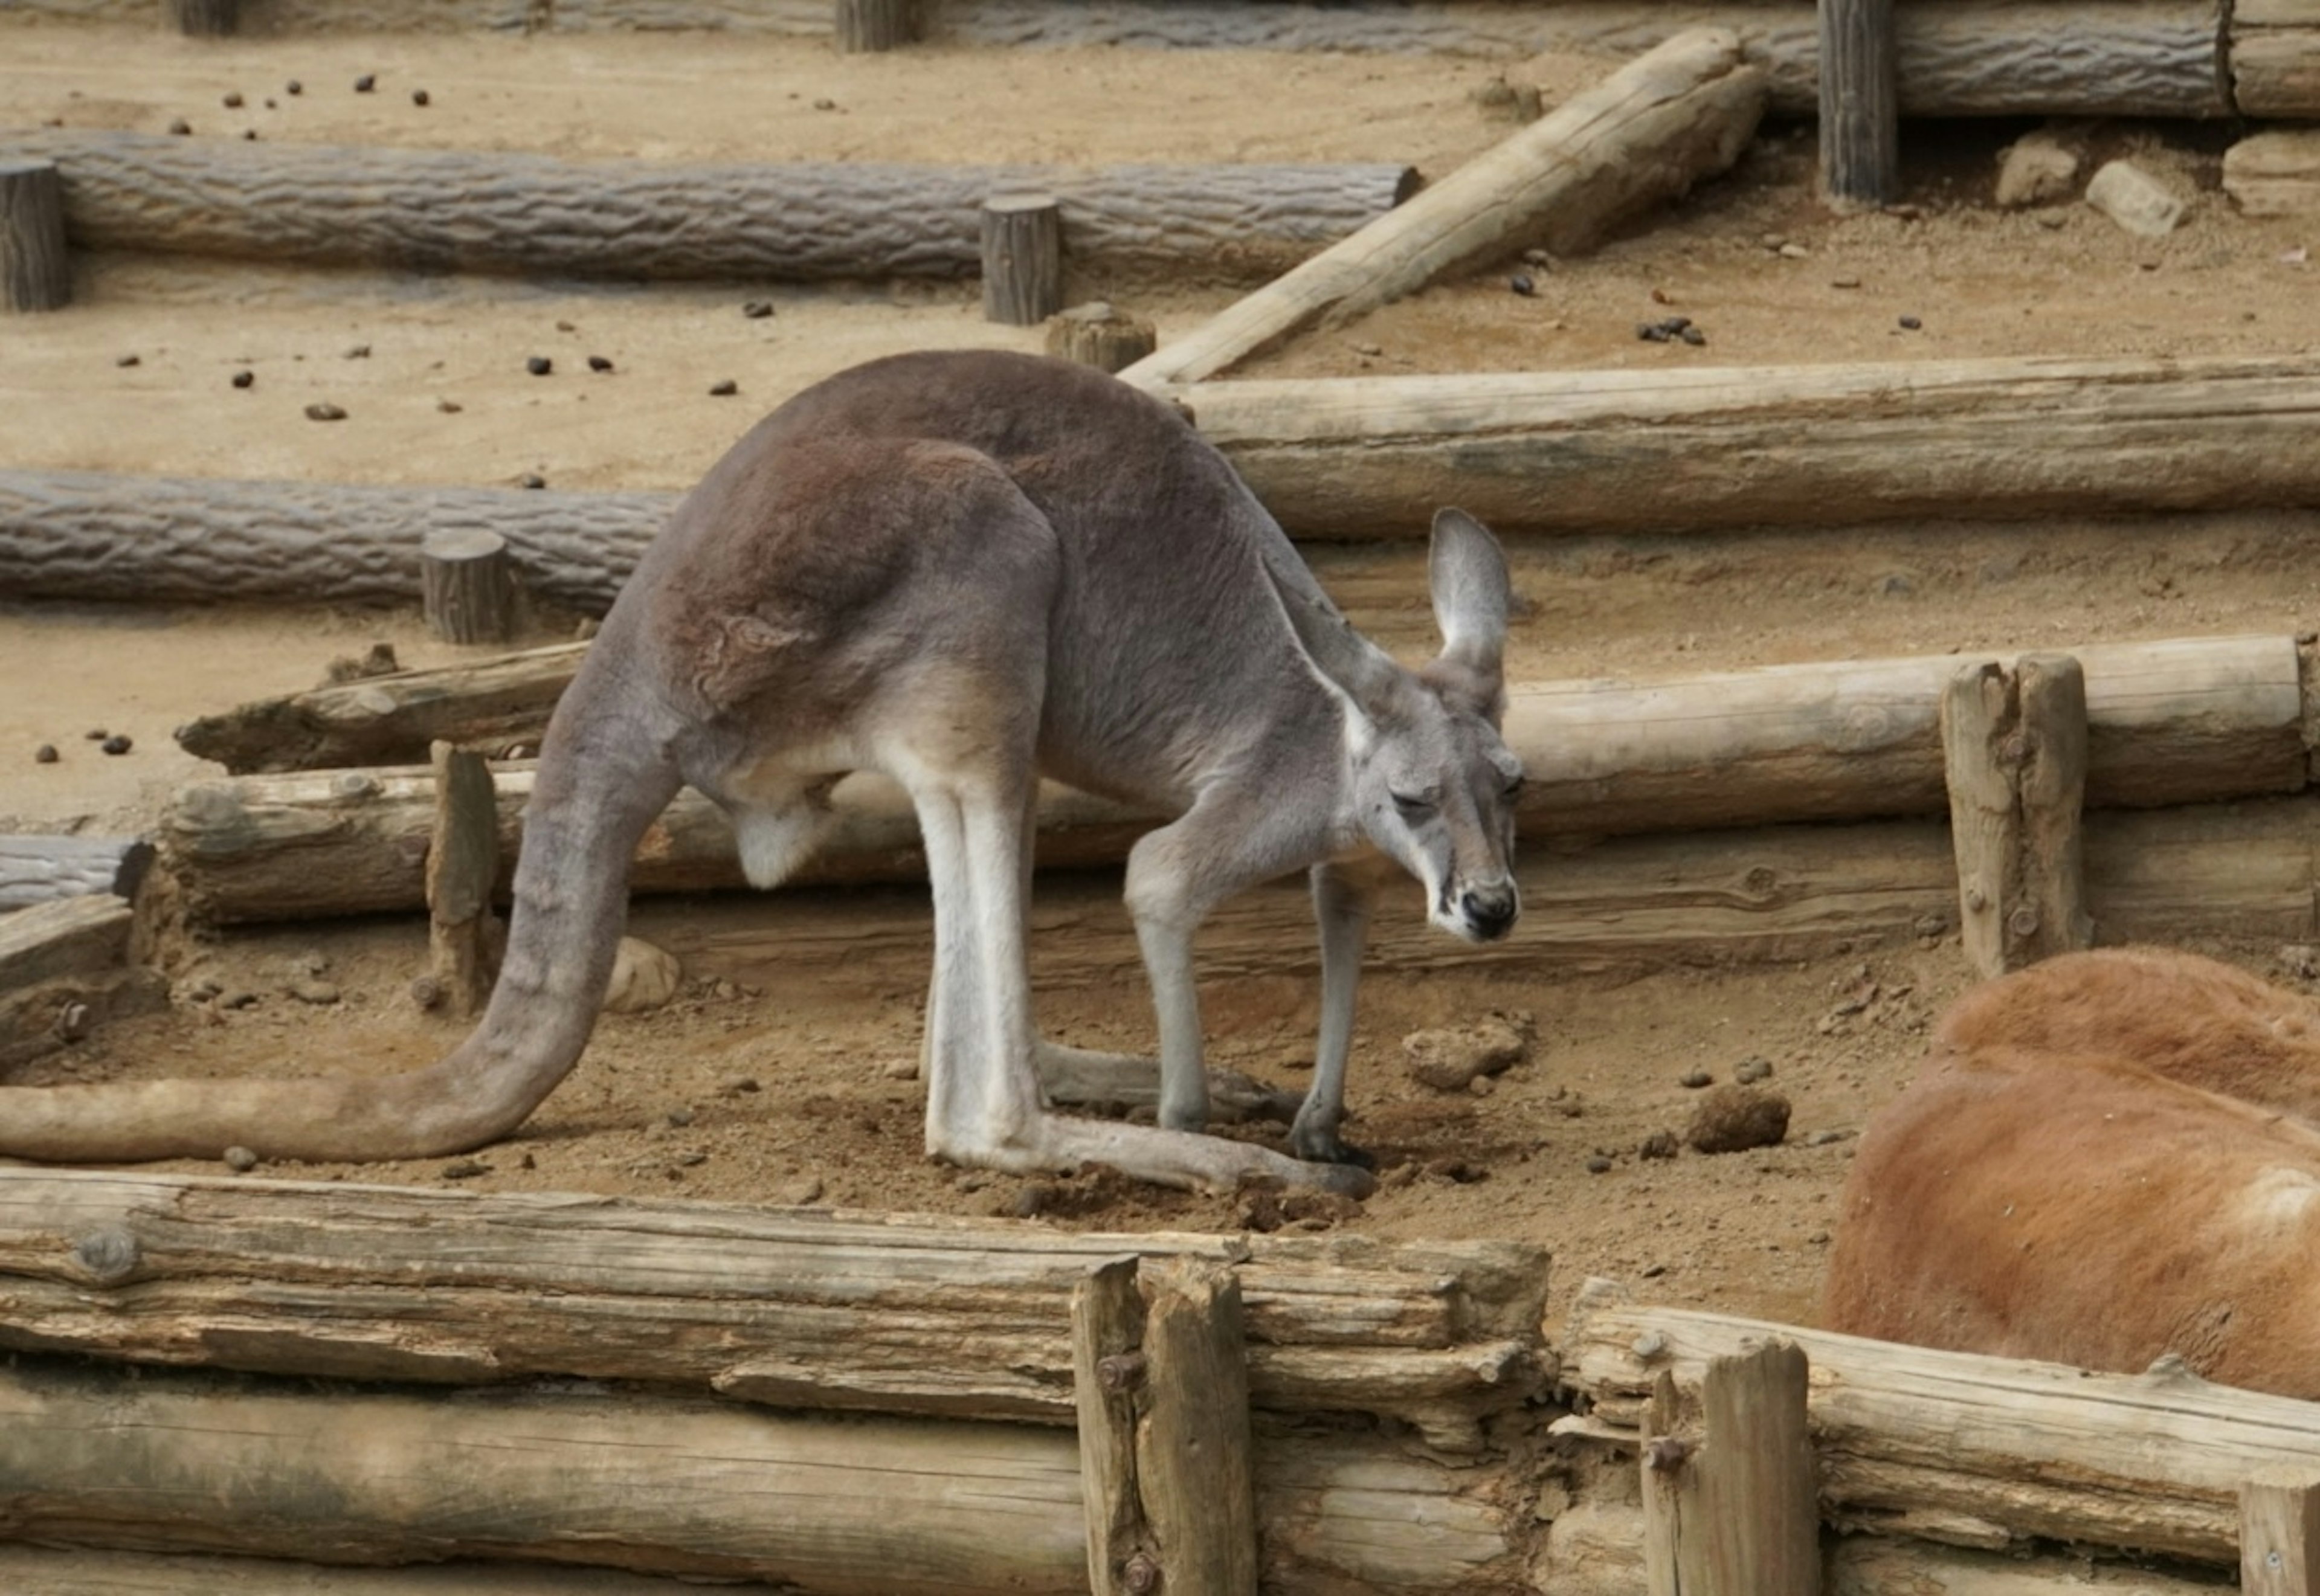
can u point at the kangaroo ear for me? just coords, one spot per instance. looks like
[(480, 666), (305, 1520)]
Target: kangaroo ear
[(1468, 574), (1348, 661)]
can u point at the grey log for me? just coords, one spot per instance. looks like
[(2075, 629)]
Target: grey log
[(36, 869), (1860, 108), (1096, 334), (204, 19), (466, 586), (1023, 257), (36, 268), (872, 25), (449, 210)]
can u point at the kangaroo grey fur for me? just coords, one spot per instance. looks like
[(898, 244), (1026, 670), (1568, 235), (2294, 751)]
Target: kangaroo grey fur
[(965, 570)]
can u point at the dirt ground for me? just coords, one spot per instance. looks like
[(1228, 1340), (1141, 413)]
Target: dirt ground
[(761, 1086)]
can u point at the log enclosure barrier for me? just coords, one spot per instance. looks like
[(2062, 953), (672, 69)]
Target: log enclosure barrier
[(1859, 104)]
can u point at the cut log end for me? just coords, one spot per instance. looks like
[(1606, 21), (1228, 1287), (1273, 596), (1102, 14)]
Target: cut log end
[(1023, 259), (468, 587), (36, 268), (1095, 334)]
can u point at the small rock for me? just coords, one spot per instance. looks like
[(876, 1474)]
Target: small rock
[(46, 753), (1694, 1079), (1828, 1138), (450, 406), (1599, 1165), (318, 992), (1447, 1060), (757, 310), (825, 105), (563, 326), (679, 1117), (1793, 251), (427, 992), (1521, 283), (128, 361), (599, 363), (1692, 336), (325, 413), (1658, 1144), (72, 1022), (741, 1085), (240, 1160), (1845, 282), (1458, 1172), (1482, 1086), (378, 661), (366, 83), (1911, 324), (724, 388), (644, 977), (180, 126), (2134, 199), (1752, 1070), (531, 479), (900, 1069), (242, 379), (294, 88), (233, 99), (418, 96), (1651, 332), (96, 734), (1539, 259), (2033, 170), (116, 744), (1734, 1118), (464, 1169), (539, 365), (360, 351)]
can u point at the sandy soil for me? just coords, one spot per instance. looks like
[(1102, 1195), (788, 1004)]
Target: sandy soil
[(759, 1084)]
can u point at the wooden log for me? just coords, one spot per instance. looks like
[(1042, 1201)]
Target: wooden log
[(35, 265), (2274, 51), (36, 869), (2279, 1533), (1023, 259), (1095, 334), (2276, 172), (1194, 1470), (466, 586), (463, 857), (679, 1485), (1644, 135), (1107, 1370), (1860, 106), (65, 968), (1729, 1503), (204, 19), (1953, 1444), (2052, 690), (80, 1571), (1600, 451), (2015, 746), (429, 210), (2172, 722), (873, 25), (791, 1308)]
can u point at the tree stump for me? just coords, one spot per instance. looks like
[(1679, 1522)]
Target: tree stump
[(203, 19), (1731, 1505), (1860, 106), (1023, 259), (463, 860), (35, 271), (874, 25), (1095, 334), (468, 587)]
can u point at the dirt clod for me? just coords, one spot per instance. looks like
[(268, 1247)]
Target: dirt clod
[(1734, 1118), (1450, 1059)]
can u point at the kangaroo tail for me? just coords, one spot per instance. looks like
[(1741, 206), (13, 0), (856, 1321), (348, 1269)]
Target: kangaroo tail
[(604, 777)]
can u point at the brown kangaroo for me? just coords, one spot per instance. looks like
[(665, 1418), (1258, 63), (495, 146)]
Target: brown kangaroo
[(965, 570), (2110, 1156)]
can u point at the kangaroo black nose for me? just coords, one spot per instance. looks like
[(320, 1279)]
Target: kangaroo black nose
[(1490, 911)]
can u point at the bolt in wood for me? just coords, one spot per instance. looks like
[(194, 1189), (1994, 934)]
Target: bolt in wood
[(1860, 110), (2279, 1533), (468, 587), (1023, 259), (35, 269)]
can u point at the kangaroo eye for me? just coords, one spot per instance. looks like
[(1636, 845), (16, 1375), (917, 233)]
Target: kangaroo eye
[(1412, 809)]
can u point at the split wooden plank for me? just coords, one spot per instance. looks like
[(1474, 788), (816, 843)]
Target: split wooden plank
[(2279, 1533), (448, 209), (1109, 1368), (1729, 1503), (2172, 722), (1909, 1438), (791, 1308), (2015, 747), (1644, 136), (1619, 450)]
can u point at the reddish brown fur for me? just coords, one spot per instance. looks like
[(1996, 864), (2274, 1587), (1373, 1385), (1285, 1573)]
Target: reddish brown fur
[(2109, 1157)]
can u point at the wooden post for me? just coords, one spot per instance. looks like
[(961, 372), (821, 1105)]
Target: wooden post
[(873, 25), (2279, 1533), (35, 271), (199, 19), (1095, 334), (463, 858), (1732, 1507), (2014, 749), (1164, 1445), (468, 587), (1860, 110), (1023, 259)]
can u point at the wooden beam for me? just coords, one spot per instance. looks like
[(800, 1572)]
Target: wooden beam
[(480, 211), (1194, 1467), (1730, 1507), (2015, 749), (81, 1571), (463, 857), (795, 1308), (1682, 113), (1860, 106), (37, 866), (2279, 1533), (1108, 1369), (1953, 1444)]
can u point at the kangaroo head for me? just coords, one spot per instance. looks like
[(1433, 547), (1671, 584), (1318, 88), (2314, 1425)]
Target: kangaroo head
[(1434, 786)]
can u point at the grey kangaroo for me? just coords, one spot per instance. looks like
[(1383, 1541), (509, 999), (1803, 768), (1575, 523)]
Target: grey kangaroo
[(965, 570)]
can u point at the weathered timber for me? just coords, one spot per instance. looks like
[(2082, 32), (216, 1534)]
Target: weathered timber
[(790, 1308), (1911, 1439), (869, 25), (2276, 172), (1023, 259), (203, 19), (2280, 1532), (1096, 334), (35, 868), (1108, 1372), (2171, 723), (1859, 104), (1194, 1467), (1729, 1506), (81, 1571), (466, 586), (424, 210), (66, 965), (463, 858), (1655, 450), (2015, 747), (1643, 136), (35, 265), (681, 1485), (2274, 55)]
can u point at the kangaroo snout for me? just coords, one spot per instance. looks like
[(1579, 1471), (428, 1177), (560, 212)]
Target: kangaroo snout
[(1490, 912)]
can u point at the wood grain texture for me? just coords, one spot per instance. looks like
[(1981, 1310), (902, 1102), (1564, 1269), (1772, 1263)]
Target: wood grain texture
[(1729, 1501), (2280, 1532), (2276, 172), (52, 1570), (35, 265), (1859, 104), (38, 867), (1194, 1470), (416, 210)]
